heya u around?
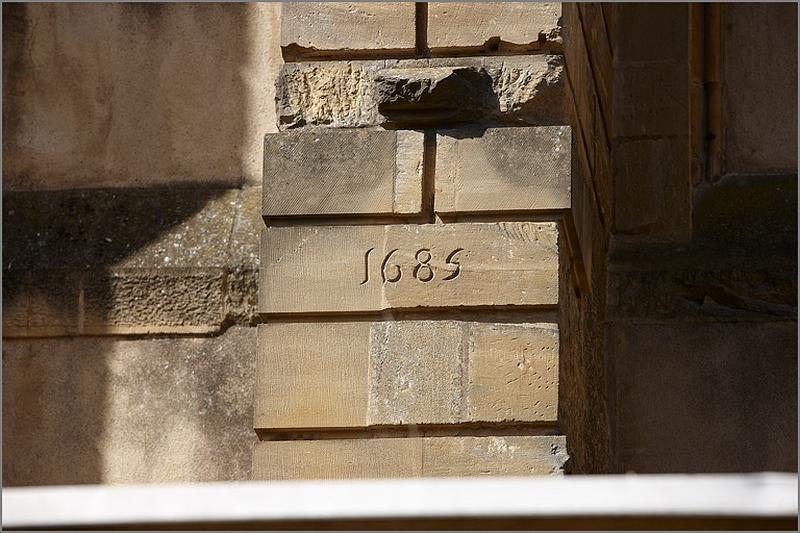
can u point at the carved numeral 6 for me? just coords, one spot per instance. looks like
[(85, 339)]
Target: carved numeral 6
[(398, 273)]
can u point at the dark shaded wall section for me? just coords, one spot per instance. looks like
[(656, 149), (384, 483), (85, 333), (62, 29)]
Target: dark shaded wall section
[(693, 366)]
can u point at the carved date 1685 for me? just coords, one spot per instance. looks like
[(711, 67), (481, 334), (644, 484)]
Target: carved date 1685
[(422, 271)]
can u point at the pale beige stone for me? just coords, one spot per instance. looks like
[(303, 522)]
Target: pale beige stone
[(408, 173), (494, 456), (457, 25), (368, 374), (323, 269), (105, 410), (348, 26), (338, 459), (503, 169), (348, 171), (513, 373), (308, 373), (416, 372), (409, 457), (138, 95)]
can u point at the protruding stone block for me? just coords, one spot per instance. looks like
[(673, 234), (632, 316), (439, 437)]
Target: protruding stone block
[(319, 29), (524, 90), (409, 457), (336, 172), (434, 95), (469, 25), (363, 374), (503, 169), (336, 269)]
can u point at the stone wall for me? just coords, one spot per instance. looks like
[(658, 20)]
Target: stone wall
[(682, 355), (414, 203), (131, 168)]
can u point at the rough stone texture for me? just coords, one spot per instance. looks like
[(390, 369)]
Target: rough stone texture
[(320, 29), (492, 25), (337, 172), (434, 95), (323, 269), (762, 76), (131, 95), (102, 410), (361, 374), (409, 457), (131, 261), (585, 412), (524, 90), (503, 169)]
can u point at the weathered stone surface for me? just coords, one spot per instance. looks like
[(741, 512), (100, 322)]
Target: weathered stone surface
[(324, 269), (318, 29), (524, 89), (490, 25), (360, 374), (434, 95), (129, 261), (503, 169), (335, 172), (137, 95), (104, 410), (409, 457)]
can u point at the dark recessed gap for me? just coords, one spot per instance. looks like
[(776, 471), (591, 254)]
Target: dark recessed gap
[(421, 26)]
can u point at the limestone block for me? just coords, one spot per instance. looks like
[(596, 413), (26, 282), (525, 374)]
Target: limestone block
[(361, 374), (329, 269), (467, 25), (310, 29), (503, 169), (524, 89), (409, 457), (334, 172)]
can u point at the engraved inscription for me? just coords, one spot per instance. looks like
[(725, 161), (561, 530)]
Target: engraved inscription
[(423, 271)]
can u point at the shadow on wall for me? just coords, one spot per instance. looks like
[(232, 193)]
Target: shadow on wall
[(164, 107)]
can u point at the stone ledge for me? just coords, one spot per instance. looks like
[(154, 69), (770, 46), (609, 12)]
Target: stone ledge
[(520, 89), (129, 261), (410, 457)]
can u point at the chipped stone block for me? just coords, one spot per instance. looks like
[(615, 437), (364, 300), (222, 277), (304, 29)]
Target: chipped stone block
[(324, 269), (409, 457), (532, 25), (503, 169), (336, 172), (434, 95), (524, 89), (320, 29), (364, 374)]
